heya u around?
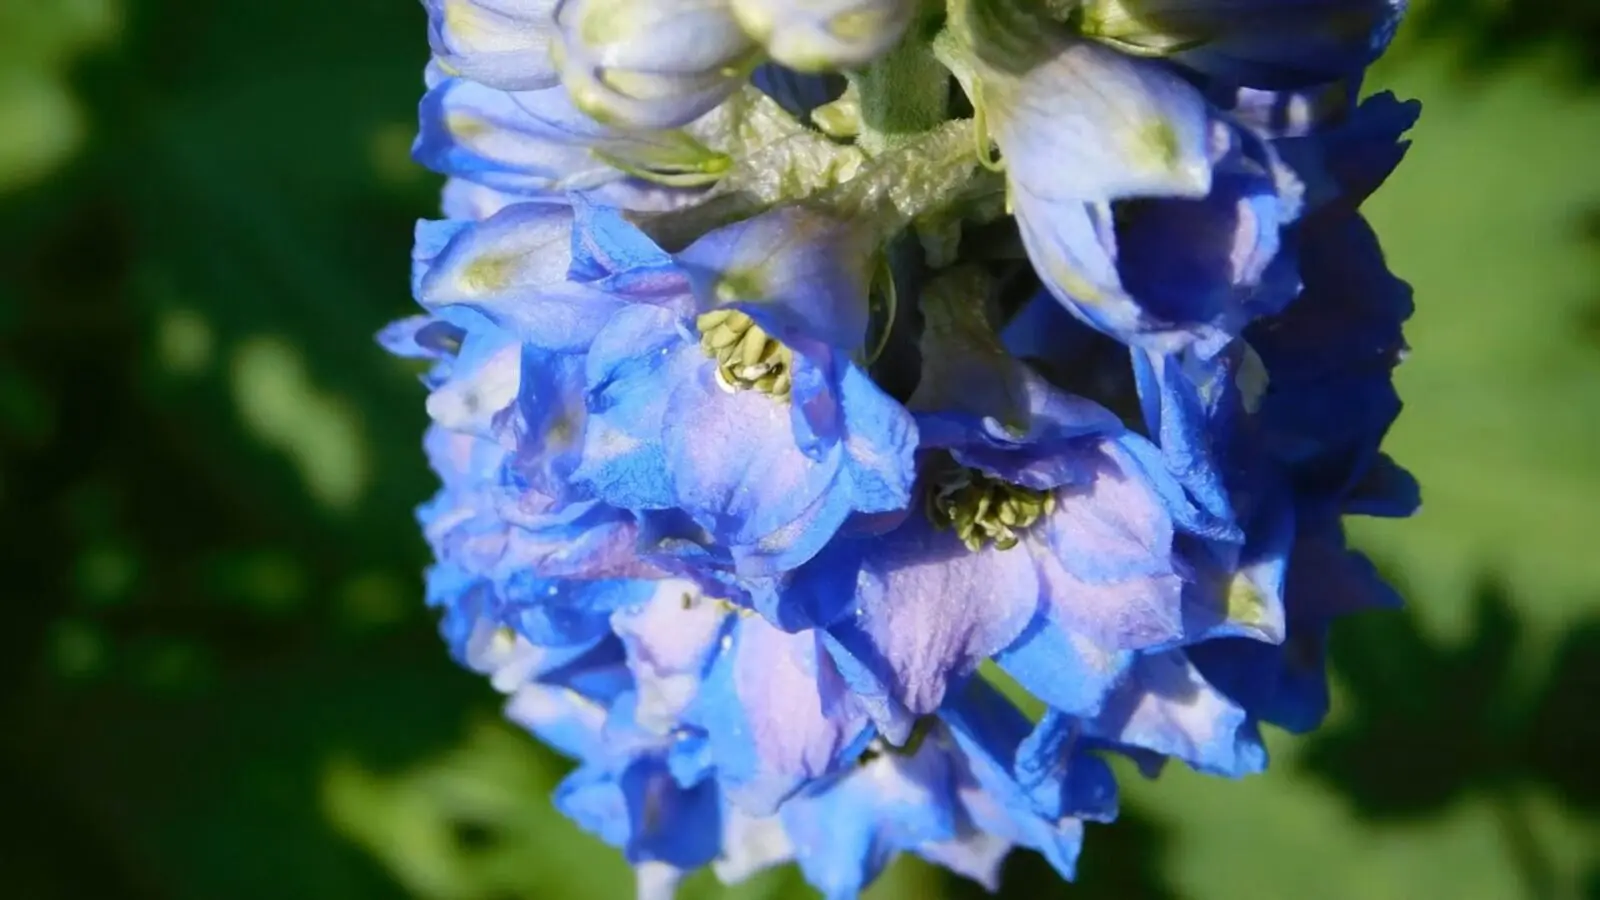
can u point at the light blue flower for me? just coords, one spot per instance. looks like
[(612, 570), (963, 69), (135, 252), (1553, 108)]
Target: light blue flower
[(757, 462), (504, 44), (725, 388), (1044, 538), (651, 64), (976, 782), (777, 715), (1144, 210), (535, 144), (822, 35)]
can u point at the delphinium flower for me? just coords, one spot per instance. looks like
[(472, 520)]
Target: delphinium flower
[(860, 420)]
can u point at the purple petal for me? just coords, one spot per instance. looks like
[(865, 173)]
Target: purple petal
[(928, 611), (777, 715)]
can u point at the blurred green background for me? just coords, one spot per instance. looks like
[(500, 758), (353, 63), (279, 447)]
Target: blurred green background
[(216, 677)]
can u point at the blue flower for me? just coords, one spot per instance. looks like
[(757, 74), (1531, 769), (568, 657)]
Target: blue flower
[(777, 715), (809, 35), (1329, 361), (977, 781), (504, 44), (628, 797), (1145, 212), (767, 450), (651, 64), (1286, 684), (1224, 417), (725, 388), (535, 144), (1261, 43), (1044, 538)]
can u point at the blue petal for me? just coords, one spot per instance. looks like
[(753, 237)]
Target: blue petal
[(824, 35), (551, 401), (736, 467), (512, 268), (630, 368), (1238, 589), (671, 641), (467, 200), (1282, 684), (562, 612), (476, 132), (522, 246), (777, 716), (818, 593), (1277, 44), (562, 718), (800, 274), (604, 244), (1090, 124), (642, 810), (500, 43), (880, 444), (927, 612), (845, 832), (989, 732), (749, 845), (1059, 778), (650, 65), (429, 239), (1191, 410), (584, 540), (1067, 671), (1106, 562), (1167, 706), (798, 93), (1343, 162), (1329, 360), (421, 337), (1167, 272), (480, 396)]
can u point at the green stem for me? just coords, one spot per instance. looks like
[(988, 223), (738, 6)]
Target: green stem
[(903, 95)]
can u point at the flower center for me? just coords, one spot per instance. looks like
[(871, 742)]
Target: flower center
[(983, 509), (746, 357)]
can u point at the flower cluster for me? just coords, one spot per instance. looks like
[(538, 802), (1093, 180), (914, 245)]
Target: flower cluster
[(859, 419)]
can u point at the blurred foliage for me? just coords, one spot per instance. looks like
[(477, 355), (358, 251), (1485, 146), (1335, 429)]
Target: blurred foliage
[(44, 122), (219, 682), (1489, 35)]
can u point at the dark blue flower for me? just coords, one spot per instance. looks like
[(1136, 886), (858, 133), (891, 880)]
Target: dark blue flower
[(1162, 229), (1260, 43)]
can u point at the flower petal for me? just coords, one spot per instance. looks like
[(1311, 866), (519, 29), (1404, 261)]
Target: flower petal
[(1092, 124), (777, 716), (671, 640), (736, 467), (1166, 705), (501, 43), (928, 611)]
